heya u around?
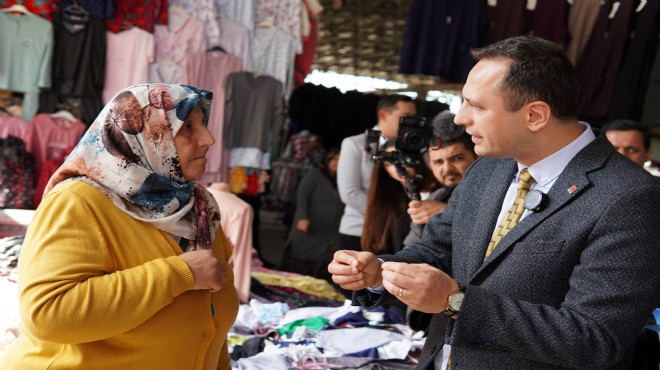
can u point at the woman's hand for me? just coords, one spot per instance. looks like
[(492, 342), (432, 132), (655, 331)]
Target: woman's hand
[(209, 273)]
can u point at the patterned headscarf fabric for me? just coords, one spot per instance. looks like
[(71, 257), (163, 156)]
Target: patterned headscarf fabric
[(128, 153)]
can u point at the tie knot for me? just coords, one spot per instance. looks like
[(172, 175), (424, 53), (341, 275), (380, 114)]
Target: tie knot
[(526, 180)]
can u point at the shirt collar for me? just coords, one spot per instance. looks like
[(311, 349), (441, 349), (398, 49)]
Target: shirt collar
[(550, 167)]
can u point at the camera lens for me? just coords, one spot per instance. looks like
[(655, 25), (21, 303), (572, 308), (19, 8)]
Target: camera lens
[(415, 140)]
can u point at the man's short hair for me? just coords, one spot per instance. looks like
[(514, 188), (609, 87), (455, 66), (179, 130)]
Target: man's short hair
[(628, 125), (539, 70), (449, 133), (388, 102)]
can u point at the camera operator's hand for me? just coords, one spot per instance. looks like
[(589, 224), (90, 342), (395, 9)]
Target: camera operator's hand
[(302, 225), (355, 270), (421, 211)]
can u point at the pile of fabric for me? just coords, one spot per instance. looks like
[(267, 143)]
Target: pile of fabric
[(275, 336)]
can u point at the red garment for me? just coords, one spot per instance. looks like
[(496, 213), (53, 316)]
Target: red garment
[(142, 14), (43, 8), (304, 60), (47, 170)]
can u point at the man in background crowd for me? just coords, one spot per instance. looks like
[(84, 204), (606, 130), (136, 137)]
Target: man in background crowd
[(448, 162), (355, 166), (630, 138)]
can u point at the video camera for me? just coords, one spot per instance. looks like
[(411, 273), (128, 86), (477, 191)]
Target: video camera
[(413, 138)]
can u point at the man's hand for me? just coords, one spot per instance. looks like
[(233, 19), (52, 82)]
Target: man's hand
[(420, 286), (209, 273), (421, 211), (355, 270), (303, 225)]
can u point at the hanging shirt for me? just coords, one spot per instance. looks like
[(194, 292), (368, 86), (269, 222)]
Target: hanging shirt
[(127, 60), (141, 14), (209, 71), (205, 11), (26, 47)]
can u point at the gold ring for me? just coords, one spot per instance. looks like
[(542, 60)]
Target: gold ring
[(400, 292)]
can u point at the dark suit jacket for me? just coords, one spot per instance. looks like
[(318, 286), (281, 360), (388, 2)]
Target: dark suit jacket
[(569, 287)]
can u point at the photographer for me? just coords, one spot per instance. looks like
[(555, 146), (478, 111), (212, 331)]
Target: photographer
[(355, 166), (386, 221), (448, 159)]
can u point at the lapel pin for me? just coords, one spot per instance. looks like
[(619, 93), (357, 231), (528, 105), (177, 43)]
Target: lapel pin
[(571, 189)]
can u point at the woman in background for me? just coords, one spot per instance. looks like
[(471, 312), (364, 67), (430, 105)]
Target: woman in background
[(387, 221), (315, 232)]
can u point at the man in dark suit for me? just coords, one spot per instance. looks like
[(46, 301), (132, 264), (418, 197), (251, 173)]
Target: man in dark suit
[(573, 281)]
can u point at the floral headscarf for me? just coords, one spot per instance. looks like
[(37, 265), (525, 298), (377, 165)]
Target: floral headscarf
[(128, 153)]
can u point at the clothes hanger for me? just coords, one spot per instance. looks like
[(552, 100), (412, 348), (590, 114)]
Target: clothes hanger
[(75, 12), (217, 48), (64, 114), (17, 8)]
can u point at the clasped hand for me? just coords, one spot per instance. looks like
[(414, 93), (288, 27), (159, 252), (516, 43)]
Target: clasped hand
[(209, 273), (420, 286)]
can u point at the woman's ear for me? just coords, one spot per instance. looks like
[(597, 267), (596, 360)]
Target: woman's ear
[(538, 115)]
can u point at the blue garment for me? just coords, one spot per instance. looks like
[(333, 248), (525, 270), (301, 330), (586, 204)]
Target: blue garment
[(440, 48)]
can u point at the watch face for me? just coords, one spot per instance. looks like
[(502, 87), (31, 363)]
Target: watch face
[(455, 301)]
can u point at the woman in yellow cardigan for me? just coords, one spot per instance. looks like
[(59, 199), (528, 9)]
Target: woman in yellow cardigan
[(124, 265)]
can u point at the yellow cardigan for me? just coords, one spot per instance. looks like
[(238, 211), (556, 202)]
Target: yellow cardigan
[(101, 290)]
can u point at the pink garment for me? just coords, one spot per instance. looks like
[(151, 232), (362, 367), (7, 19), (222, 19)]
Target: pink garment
[(285, 15), (236, 220), (235, 39), (14, 126), (174, 42), (209, 71), (184, 34), (127, 60), (49, 137)]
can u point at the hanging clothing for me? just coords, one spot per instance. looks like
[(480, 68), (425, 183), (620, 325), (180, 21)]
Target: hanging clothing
[(504, 19), (241, 11), (304, 60), (581, 19), (439, 35), (273, 54), (98, 8), (253, 117), (79, 55), (26, 49), (206, 12), (140, 14), (235, 39), (174, 42), (12, 126), (127, 60), (597, 69), (48, 137), (631, 80), (209, 71), (548, 19), (16, 174)]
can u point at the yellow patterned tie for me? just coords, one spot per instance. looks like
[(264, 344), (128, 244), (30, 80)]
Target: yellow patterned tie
[(513, 216)]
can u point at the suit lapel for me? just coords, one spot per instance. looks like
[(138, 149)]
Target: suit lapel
[(494, 190), (572, 182)]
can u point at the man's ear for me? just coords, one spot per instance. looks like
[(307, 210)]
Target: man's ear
[(538, 114)]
